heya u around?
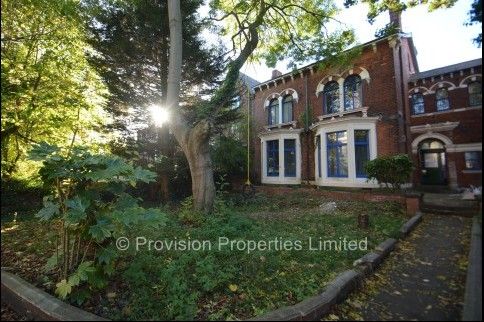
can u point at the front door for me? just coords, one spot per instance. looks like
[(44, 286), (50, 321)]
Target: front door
[(433, 163)]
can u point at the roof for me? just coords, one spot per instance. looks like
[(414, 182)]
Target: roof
[(310, 66), (249, 81), (446, 69)]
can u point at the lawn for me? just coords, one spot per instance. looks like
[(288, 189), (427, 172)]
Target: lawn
[(218, 283)]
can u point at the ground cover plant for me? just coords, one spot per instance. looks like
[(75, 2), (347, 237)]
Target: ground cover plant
[(212, 284)]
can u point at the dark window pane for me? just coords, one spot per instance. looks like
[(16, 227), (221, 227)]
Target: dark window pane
[(331, 97), (418, 105), (337, 154), (362, 152), (273, 158), (290, 158), (475, 93), (273, 111), (287, 109), (318, 145), (442, 99), (473, 160), (352, 92)]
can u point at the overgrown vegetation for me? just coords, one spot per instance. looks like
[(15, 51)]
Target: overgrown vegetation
[(89, 207), (234, 284)]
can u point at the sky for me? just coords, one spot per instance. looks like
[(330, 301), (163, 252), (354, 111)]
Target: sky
[(440, 37)]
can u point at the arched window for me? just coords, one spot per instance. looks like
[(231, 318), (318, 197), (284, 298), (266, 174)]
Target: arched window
[(431, 145), (418, 106), (442, 99), (273, 112), (287, 109), (475, 93), (352, 92), (331, 97)]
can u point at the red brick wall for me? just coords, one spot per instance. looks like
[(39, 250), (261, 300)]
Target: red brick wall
[(469, 129), (379, 95)]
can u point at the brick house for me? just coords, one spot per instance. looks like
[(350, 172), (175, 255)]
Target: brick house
[(320, 126)]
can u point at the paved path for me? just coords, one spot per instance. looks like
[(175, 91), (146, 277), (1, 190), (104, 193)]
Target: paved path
[(424, 279)]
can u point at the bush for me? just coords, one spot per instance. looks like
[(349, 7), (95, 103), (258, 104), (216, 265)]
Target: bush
[(229, 157), (89, 208), (393, 171)]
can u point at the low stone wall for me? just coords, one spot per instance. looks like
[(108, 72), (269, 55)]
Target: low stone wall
[(359, 195), (36, 304), (412, 202)]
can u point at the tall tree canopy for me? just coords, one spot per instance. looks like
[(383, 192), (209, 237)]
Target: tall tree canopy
[(49, 90), (133, 39), (378, 6)]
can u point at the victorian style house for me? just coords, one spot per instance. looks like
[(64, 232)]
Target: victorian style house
[(320, 126)]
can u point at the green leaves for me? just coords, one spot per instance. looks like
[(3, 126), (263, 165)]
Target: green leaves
[(76, 210), (64, 287), (393, 171), (48, 88), (50, 210), (101, 230)]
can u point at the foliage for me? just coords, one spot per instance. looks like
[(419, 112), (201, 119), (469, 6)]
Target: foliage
[(133, 38), (223, 285), (89, 204), (393, 171), (293, 31), (228, 285), (377, 7), (49, 90), (158, 151), (388, 30), (229, 157), (475, 16)]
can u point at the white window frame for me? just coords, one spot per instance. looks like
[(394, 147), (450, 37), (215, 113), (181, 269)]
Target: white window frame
[(349, 125), (280, 135)]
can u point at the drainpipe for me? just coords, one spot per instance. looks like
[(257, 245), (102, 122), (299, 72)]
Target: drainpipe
[(306, 127)]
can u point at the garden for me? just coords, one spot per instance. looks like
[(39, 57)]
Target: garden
[(208, 284)]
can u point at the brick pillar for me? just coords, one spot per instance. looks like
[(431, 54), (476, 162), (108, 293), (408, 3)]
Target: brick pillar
[(413, 202), (452, 171)]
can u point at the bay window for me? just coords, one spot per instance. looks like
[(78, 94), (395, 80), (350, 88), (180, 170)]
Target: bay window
[(362, 152), (337, 154)]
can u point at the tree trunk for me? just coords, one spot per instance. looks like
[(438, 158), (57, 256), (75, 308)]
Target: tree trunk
[(197, 151), (194, 141)]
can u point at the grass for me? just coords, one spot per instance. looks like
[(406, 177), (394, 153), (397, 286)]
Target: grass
[(225, 284)]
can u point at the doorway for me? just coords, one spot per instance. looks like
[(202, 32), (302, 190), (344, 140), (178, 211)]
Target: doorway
[(433, 162)]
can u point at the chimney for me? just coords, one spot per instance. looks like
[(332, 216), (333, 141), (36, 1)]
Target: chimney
[(396, 19), (276, 73)]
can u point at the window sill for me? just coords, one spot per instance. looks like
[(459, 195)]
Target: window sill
[(471, 171), (363, 110), (462, 109), (280, 125)]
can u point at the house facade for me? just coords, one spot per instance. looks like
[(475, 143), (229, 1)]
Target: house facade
[(320, 126)]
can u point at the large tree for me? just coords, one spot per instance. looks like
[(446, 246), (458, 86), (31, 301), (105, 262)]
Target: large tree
[(49, 90), (133, 39), (259, 30)]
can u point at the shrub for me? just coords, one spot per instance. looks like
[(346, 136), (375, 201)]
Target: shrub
[(229, 157), (393, 171), (89, 208)]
